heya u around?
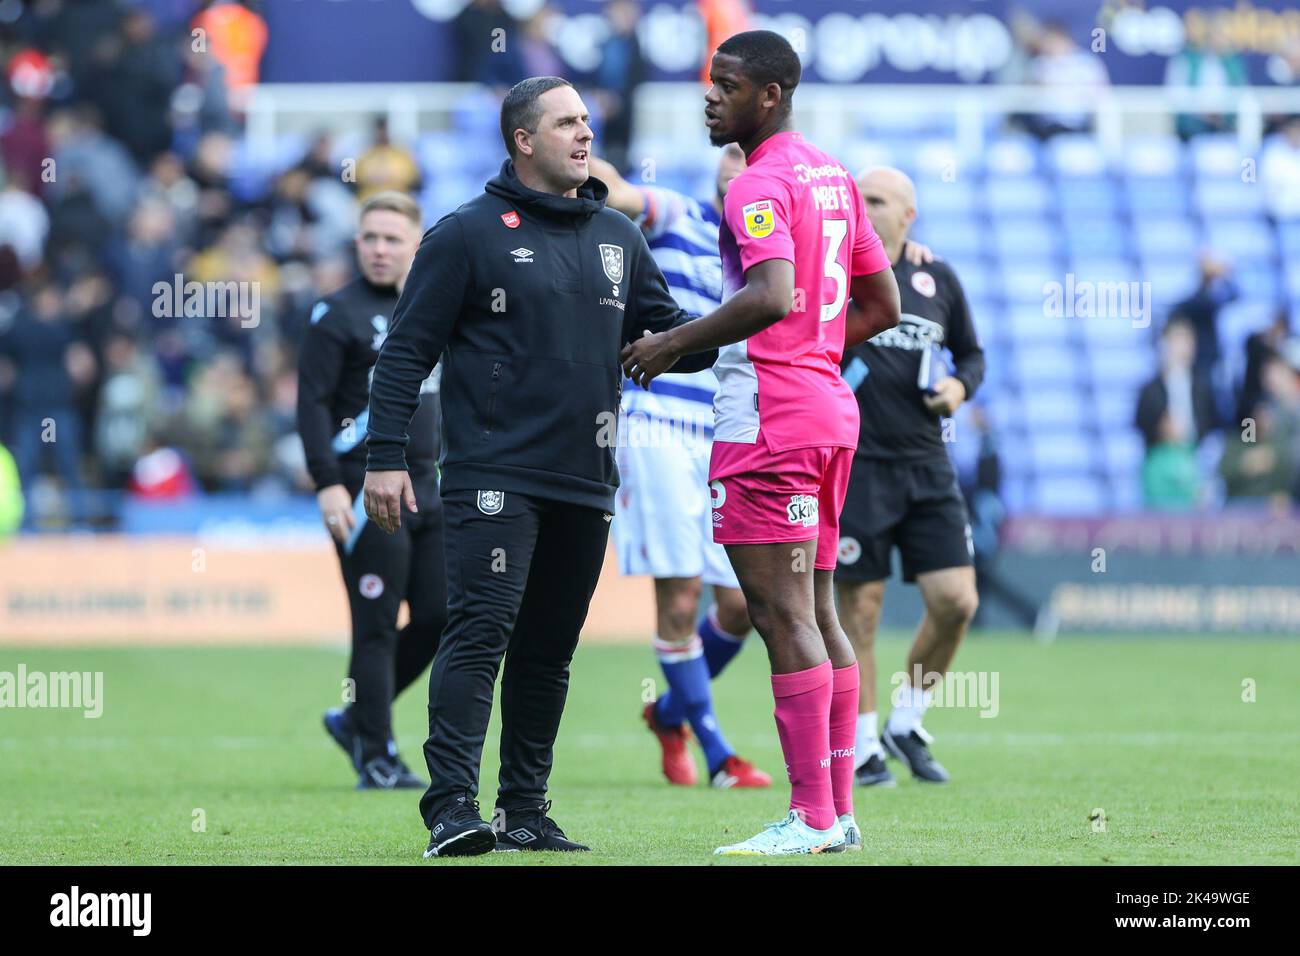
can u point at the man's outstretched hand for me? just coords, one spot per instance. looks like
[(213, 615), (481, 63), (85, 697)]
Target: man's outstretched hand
[(385, 492), (648, 357)]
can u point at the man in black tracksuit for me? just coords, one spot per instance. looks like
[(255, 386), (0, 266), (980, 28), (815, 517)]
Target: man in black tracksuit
[(524, 296), (336, 358), (903, 491)]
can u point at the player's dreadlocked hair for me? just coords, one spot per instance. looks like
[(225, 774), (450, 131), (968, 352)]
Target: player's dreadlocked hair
[(767, 57), (520, 110)]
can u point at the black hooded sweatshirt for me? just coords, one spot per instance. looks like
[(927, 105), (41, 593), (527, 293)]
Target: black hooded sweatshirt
[(526, 298)]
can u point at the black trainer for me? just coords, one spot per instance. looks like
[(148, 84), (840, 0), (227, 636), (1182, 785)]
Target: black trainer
[(458, 830), (388, 773), (339, 725), (530, 828), (914, 751), (874, 773)]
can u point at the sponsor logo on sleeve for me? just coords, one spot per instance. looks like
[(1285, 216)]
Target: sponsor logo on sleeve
[(760, 218)]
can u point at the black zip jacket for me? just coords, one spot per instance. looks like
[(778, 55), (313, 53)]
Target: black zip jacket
[(335, 358), (527, 299)]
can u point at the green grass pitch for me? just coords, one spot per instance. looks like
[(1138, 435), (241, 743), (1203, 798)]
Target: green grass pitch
[(1152, 731)]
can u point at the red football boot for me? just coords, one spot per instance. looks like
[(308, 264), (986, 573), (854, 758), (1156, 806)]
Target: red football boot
[(739, 772), (678, 764)]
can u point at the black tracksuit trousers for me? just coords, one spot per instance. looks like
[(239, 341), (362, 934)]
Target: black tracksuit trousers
[(521, 571), (380, 571)]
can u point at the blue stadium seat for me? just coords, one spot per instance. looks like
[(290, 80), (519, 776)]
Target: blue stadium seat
[(1156, 196), (934, 197), (1044, 366), (1102, 334), (939, 160), (1024, 284), (1216, 155), (1170, 281), (955, 236), (1240, 239), (1215, 198), (1125, 494), (1154, 157), (1088, 196), (1071, 495), (1061, 451), (1025, 239), (1089, 235), (1289, 240), (1113, 408), (1122, 449), (1075, 156), (1053, 408), (1017, 196), (1166, 237), (1259, 282), (1119, 370), (1012, 155)]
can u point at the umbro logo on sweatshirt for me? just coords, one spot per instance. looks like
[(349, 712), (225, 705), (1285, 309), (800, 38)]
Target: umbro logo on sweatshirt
[(522, 255)]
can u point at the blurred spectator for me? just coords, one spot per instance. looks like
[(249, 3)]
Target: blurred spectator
[(82, 152), (722, 19), (1260, 347), (1259, 462), (236, 37), (1062, 67), (128, 409), (1215, 288), (487, 45), (1212, 69), (1171, 475), (49, 364), (622, 69), (225, 427), (1279, 172), (11, 495), (537, 56), (24, 224), (386, 166), (149, 254), (1175, 411), (25, 146), (134, 76)]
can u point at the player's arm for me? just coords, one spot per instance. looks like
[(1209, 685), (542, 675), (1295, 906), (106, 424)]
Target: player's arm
[(653, 310), (766, 255), (426, 313), (321, 358), (623, 196), (873, 306), (967, 353)]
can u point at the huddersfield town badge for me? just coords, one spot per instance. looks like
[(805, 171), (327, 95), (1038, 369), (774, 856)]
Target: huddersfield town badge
[(490, 502), (611, 260)]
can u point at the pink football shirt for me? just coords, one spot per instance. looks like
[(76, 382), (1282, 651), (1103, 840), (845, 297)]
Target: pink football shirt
[(793, 202)]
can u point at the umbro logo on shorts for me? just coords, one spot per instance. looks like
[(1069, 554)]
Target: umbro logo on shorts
[(491, 502), (802, 510)]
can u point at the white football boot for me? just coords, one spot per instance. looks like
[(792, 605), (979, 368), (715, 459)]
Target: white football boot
[(788, 837)]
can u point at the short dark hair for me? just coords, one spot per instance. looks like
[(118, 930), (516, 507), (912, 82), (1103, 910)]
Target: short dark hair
[(519, 110), (766, 57)]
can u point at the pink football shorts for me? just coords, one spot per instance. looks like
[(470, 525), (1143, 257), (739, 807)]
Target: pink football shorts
[(766, 497)]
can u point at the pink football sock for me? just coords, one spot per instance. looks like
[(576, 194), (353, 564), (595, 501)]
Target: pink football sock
[(843, 725), (803, 711)]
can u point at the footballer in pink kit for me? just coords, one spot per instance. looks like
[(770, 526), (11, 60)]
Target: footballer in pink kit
[(803, 273)]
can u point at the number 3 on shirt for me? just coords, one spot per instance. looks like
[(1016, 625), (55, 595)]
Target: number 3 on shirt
[(835, 230)]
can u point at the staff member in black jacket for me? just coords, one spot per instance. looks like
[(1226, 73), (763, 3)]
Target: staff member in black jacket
[(525, 295), (335, 360)]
